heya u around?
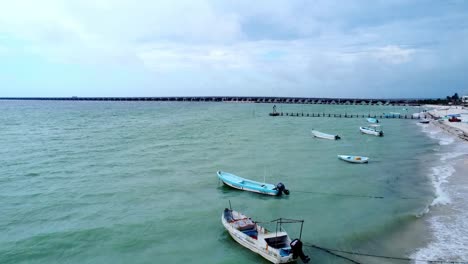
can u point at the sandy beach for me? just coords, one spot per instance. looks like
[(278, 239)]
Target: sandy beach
[(459, 129), (447, 213)]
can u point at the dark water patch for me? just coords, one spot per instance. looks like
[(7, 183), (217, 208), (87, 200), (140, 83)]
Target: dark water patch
[(32, 174)]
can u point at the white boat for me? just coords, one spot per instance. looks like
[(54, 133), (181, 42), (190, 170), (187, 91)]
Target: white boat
[(375, 130), (252, 186), (354, 159), (275, 245), (319, 134)]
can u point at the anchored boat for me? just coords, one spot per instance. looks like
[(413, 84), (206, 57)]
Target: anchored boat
[(275, 245), (252, 186), (372, 120), (354, 159), (319, 134), (375, 130)]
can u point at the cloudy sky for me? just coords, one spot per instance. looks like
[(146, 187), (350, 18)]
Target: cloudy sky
[(331, 48)]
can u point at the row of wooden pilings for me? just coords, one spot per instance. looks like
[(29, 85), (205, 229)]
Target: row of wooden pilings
[(297, 114)]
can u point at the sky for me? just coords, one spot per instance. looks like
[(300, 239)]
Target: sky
[(310, 48)]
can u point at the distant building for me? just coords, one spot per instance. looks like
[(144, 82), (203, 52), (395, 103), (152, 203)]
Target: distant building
[(464, 100)]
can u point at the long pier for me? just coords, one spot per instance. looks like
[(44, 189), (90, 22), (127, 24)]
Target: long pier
[(236, 99), (388, 116)]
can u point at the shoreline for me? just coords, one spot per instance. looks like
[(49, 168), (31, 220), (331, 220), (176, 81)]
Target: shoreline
[(439, 114), (448, 237)]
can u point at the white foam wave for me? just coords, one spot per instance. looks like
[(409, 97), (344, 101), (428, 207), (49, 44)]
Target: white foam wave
[(451, 155), (437, 134), (439, 177), (450, 239), (448, 224), (446, 141)]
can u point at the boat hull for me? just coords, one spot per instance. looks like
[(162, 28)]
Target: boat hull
[(318, 134), (247, 185), (354, 159), (371, 132), (372, 120)]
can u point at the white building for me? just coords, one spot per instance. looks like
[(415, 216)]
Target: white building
[(465, 99)]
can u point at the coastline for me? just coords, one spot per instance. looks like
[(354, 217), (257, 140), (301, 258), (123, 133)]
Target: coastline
[(445, 217), (458, 129)]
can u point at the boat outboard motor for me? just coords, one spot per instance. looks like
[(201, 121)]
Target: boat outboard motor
[(281, 189), (228, 215), (296, 248)]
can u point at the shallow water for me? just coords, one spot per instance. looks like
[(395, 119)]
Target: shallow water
[(120, 182)]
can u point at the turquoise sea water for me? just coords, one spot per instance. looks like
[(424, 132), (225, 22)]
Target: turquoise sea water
[(135, 182)]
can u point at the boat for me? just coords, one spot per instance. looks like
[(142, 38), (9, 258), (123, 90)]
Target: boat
[(274, 113), (319, 134), (375, 130), (454, 119), (252, 186), (372, 120), (391, 115), (424, 121), (275, 245), (354, 159)]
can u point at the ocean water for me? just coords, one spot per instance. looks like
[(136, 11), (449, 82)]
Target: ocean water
[(135, 182)]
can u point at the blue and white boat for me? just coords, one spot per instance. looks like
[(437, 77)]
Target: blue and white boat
[(375, 130), (372, 120), (252, 186), (353, 159)]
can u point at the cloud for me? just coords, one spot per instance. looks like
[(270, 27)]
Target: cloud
[(393, 54), (302, 48)]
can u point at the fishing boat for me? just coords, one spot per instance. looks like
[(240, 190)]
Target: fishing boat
[(252, 186), (319, 134), (372, 120), (375, 130), (354, 159), (275, 245)]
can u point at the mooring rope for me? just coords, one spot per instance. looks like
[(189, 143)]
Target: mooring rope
[(336, 255), (331, 251), (356, 195)]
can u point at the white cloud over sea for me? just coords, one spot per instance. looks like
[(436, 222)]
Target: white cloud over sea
[(280, 48)]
